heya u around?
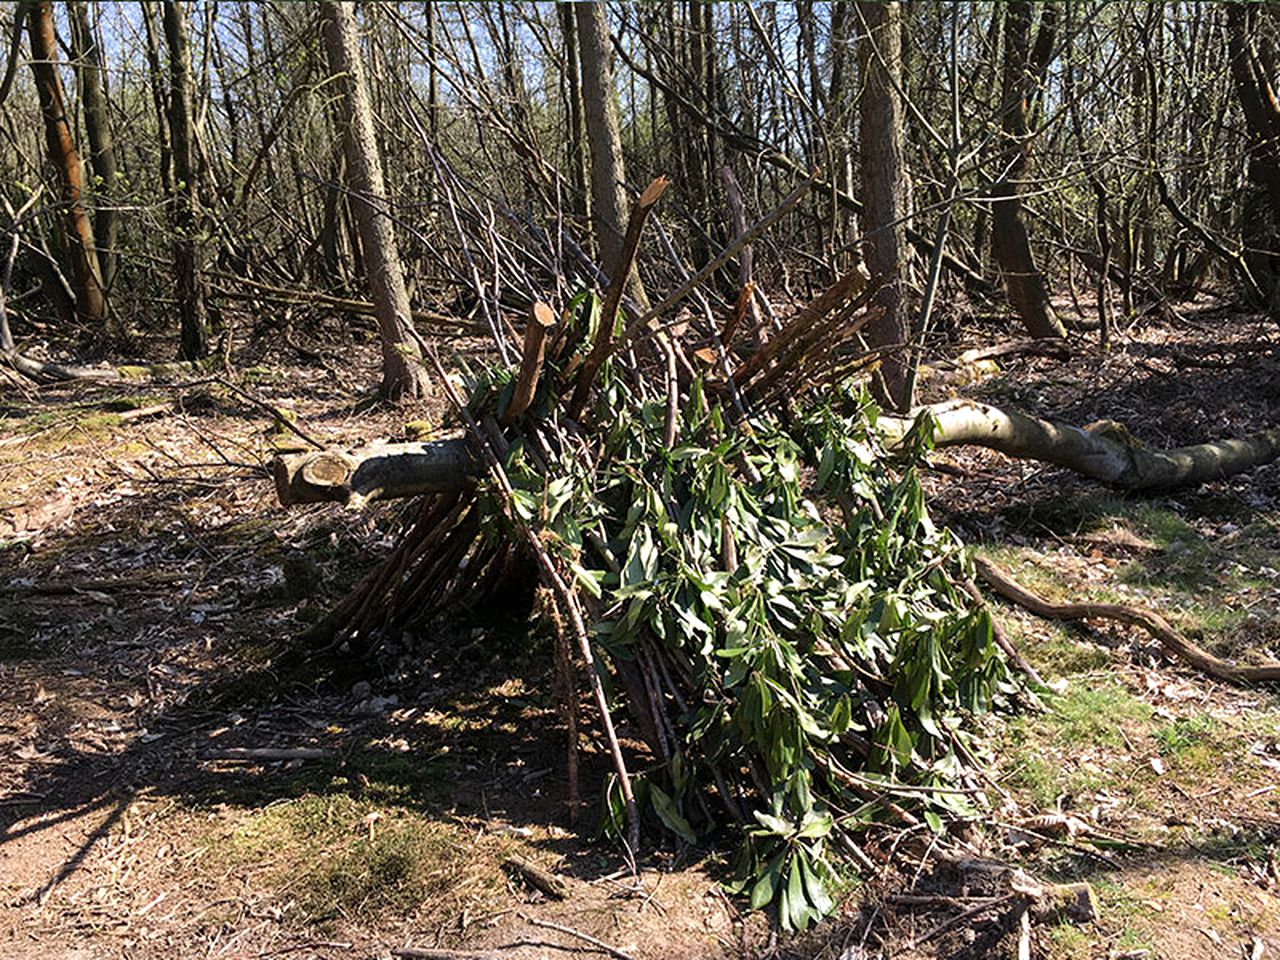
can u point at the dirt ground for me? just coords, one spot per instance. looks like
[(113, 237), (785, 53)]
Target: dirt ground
[(149, 584)]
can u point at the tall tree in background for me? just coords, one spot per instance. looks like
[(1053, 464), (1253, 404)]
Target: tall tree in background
[(1255, 70), (187, 246), (97, 124), (86, 278), (402, 374), (1024, 70), (880, 141), (608, 198)]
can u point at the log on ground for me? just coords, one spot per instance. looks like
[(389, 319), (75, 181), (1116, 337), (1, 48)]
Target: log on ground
[(1103, 451), (378, 472)]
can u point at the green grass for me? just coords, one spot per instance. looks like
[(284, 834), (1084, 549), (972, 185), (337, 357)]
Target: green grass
[(1089, 715), (330, 857)]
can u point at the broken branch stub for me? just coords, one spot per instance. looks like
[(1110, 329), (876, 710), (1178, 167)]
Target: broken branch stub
[(542, 320)]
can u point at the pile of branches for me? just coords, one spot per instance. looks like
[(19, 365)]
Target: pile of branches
[(728, 551)]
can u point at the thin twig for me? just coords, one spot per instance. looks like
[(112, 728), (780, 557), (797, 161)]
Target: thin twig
[(585, 937)]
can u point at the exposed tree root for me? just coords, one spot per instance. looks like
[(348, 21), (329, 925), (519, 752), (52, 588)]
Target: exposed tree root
[(1153, 623)]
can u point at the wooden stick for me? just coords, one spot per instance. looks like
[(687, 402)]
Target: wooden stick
[(259, 754), (599, 944), (851, 284), (613, 297), (1153, 623), (747, 295), (536, 877), (542, 320), (724, 256)]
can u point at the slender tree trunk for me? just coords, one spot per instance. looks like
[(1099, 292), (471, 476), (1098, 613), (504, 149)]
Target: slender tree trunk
[(402, 374), (157, 97), (97, 122), (1023, 72), (86, 277), (608, 199), (187, 246), (579, 165), (880, 141)]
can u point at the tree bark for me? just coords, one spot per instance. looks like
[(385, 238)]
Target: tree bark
[(1023, 72), (97, 122), (403, 376), (880, 139), (379, 472), (608, 174), (86, 277), (1250, 51), (188, 250)]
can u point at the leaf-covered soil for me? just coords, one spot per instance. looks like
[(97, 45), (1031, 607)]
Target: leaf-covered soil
[(149, 585)]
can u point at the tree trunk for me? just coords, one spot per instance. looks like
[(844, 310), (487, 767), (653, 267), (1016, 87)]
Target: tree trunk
[(1250, 51), (608, 174), (576, 155), (402, 374), (1023, 73), (880, 140), (1102, 451), (188, 250), (86, 277), (97, 122)]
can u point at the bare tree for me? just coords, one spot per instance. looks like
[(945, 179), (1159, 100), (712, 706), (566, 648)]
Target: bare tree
[(608, 198), (97, 124), (402, 374), (81, 249), (1024, 70), (187, 245), (880, 141)]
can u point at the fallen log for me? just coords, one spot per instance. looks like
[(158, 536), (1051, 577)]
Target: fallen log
[(378, 472), (1103, 451)]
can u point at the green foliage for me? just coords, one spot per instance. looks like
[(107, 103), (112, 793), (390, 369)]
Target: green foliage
[(810, 668)]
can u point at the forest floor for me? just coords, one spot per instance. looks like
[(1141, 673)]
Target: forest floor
[(148, 582)]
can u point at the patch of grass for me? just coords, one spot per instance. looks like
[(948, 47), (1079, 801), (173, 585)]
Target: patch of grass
[(335, 856), (1088, 716), (1093, 714), (1059, 653), (1132, 940), (1069, 942), (1181, 737)]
